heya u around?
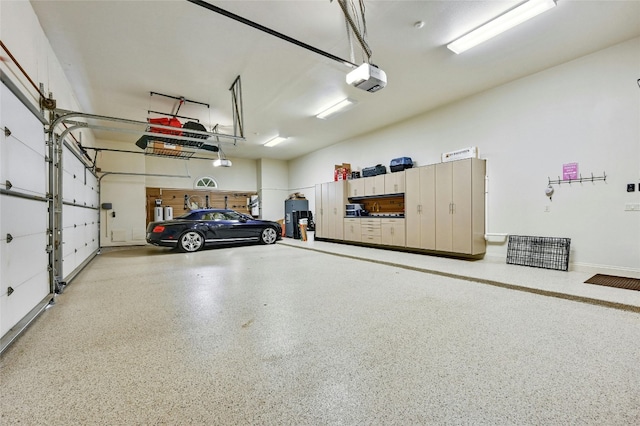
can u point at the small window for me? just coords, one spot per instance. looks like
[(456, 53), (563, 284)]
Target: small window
[(206, 182)]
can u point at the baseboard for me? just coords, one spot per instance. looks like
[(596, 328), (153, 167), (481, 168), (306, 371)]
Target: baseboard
[(618, 271), (588, 268)]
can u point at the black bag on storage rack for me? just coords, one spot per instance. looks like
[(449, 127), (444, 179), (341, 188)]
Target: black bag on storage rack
[(399, 164), (374, 171), (194, 126)]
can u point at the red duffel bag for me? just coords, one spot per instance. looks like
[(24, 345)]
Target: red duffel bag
[(164, 121)]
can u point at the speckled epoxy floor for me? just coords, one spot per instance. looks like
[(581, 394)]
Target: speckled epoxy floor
[(280, 335)]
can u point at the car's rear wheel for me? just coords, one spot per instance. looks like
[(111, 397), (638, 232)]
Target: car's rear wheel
[(268, 236), (190, 241)]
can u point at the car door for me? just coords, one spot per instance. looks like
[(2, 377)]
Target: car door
[(238, 227), (214, 226)]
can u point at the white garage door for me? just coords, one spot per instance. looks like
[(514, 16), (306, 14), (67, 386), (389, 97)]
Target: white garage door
[(80, 213), (24, 220)]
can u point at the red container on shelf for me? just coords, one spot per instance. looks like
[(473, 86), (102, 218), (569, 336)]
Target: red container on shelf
[(164, 121)]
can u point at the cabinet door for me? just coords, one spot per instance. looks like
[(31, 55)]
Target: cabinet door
[(339, 199), (394, 183), (461, 210), (356, 187), (352, 230), (393, 232), (374, 185), (335, 194), (420, 208), (444, 217), (319, 214), (412, 201), (326, 211)]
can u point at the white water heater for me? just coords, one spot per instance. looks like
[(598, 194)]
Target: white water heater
[(157, 214), (168, 213)]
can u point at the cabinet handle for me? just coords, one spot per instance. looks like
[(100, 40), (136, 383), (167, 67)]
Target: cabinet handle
[(419, 208), (395, 187)]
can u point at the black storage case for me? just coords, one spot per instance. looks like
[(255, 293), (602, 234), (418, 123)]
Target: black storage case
[(374, 171), (400, 164)]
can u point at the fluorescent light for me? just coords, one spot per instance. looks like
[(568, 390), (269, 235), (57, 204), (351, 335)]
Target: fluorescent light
[(500, 24), (275, 141), (341, 106)]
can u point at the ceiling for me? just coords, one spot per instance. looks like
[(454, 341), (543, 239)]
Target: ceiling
[(116, 52)]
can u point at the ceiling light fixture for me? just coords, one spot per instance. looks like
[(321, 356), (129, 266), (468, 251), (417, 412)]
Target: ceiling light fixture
[(341, 106), (275, 141), (501, 24)]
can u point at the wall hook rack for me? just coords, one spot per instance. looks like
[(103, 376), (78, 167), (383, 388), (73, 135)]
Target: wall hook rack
[(580, 179)]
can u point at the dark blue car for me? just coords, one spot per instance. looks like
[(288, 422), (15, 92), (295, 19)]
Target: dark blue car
[(198, 228)]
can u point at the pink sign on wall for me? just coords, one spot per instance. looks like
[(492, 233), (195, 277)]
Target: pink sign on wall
[(570, 171)]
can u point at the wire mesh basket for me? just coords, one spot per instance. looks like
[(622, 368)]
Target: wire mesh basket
[(539, 252)]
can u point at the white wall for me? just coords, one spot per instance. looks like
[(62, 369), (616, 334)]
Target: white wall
[(273, 183), (586, 111), (21, 33)]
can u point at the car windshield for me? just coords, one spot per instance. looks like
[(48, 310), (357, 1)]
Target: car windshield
[(186, 216), (213, 215), (233, 215)]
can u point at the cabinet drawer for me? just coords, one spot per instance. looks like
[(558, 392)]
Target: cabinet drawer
[(373, 239), (399, 222), (370, 231), (370, 222)]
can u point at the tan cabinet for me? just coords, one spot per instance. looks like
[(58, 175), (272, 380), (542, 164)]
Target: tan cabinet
[(420, 213), (331, 198), (355, 187), (392, 232), (373, 185), (394, 183), (318, 215), (352, 230), (370, 228), (459, 200)]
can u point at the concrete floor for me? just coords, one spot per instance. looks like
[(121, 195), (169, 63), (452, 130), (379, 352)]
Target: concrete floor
[(313, 333)]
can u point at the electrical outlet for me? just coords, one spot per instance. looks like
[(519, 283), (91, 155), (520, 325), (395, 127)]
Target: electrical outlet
[(547, 209)]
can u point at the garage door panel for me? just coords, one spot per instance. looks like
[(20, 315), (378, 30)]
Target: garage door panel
[(80, 236), (90, 196), (28, 175), (22, 259), (69, 262), (91, 190), (24, 126), (14, 307), (24, 221), (22, 216)]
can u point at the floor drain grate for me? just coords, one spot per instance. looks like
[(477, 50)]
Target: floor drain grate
[(613, 281)]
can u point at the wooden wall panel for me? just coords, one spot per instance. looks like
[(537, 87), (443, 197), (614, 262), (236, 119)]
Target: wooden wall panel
[(235, 200)]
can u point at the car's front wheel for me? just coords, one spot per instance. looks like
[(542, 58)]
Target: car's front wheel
[(268, 236), (190, 241)]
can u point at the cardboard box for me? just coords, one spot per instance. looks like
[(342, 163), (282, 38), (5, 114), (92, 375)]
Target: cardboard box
[(341, 171), (162, 148)]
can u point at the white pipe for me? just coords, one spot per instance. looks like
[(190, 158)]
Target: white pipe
[(486, 213)]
